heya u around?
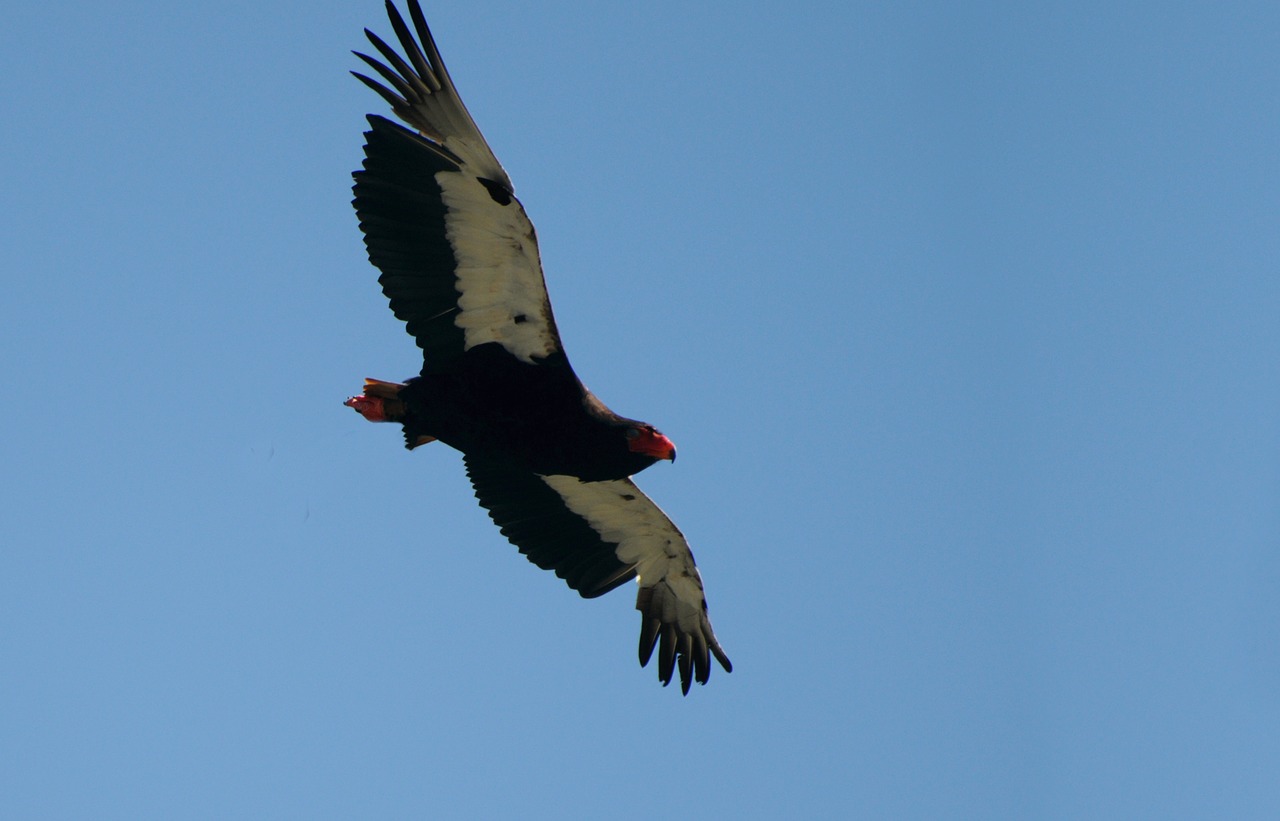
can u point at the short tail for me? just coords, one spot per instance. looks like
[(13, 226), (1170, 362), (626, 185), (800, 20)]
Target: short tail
[(381, 402), (382, 390)]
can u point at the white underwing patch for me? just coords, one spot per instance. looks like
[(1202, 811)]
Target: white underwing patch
[(503, 297), (644, 536)]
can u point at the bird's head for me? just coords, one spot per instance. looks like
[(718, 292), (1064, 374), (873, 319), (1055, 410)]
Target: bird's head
[(646, 439)]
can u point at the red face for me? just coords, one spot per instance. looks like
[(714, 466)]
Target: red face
[(370, 407), (644, 439)]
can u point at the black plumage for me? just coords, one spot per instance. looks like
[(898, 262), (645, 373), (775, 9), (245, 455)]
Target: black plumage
[(550, 462)]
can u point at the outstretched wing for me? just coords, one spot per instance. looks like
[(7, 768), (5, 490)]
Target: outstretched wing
[(458, 255), (597, 535)]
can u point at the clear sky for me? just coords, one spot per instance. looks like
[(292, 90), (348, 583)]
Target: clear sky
[(965, 318)]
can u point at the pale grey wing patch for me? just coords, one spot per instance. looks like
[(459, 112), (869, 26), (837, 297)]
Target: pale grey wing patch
[(671, 599), (502, 293)]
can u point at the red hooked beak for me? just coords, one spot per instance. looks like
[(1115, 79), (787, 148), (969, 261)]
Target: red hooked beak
[(651, 443)]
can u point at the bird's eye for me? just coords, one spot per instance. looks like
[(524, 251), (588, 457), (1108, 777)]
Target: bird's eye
[(632, 433)]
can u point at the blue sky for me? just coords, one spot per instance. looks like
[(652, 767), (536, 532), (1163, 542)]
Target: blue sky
[(963, 316)]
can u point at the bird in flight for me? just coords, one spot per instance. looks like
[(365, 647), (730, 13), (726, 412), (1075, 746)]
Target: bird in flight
[(547, 459)]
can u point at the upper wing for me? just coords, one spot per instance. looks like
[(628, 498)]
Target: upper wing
[(458, 255), (597, 535)]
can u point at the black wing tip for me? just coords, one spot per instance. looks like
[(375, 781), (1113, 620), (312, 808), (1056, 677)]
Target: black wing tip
[(389, 96), (413, 77), (689, 653), (648, 639)]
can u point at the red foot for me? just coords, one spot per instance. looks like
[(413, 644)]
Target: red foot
[(370, 407)]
